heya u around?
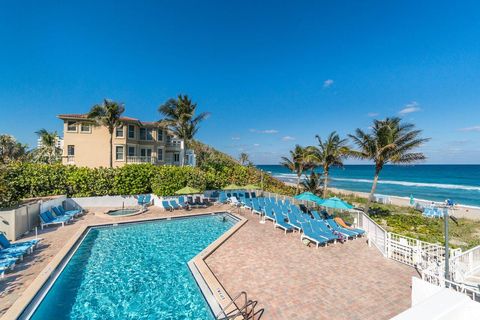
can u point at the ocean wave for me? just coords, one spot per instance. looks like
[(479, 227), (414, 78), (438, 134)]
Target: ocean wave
[(415, 184), (289, 176)]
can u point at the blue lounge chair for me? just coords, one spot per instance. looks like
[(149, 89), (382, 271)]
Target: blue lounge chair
[(46, 219), (321, 228), (281, 223), (248, 203), (74, 212), (166, 206), (140, 200), (5, 264), (181, 202), (174, 204), (61, 213), (29, 245), (310, 234), (268, 213), (254, 195), (292, 220), (335, 227)]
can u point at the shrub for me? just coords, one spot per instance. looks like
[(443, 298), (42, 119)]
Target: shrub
[(134, 179), (169, 179)]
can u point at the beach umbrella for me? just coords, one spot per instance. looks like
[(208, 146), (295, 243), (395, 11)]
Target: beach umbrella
[(187, 190), (251, 187), (336, 203), (308, 196), (232, 186)]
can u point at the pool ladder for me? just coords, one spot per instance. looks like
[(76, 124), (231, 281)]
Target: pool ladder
[(242, 309)]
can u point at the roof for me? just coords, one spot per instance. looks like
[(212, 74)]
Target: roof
[(126, 119)]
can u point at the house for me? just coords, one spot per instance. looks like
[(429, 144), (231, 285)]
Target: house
[(88, 145)]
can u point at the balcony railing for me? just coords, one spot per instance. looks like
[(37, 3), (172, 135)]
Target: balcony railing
[(140, 159), (70, 159), (174, 143)]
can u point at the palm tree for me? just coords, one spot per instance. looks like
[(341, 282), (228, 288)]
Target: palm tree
[(48, 151), (108, 114), (390, 141), (11, 149), (313, 183), (330, 153), (299, 161), (243, 158), (180, 117)]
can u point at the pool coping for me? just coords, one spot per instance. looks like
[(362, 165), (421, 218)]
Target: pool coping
[(213, 291), (21, 304)]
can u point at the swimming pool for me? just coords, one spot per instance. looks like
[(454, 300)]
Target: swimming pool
[(135, 271)]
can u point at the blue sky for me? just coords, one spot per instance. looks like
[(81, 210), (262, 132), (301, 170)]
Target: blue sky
[(271, 73)]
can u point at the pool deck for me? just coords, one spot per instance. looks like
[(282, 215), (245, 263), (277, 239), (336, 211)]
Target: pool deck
[(289, 279)]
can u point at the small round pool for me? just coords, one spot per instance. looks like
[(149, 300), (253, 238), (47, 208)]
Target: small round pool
[(123, 212)]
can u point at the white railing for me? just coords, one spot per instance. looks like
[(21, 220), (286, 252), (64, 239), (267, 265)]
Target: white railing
[(140, 159), (70, 159), (465, 264), (376, 234), (440, 281)]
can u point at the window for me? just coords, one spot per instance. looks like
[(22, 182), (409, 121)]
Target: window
[(149, 134), (144, 152), (160, 154), (176, 157), (146, 134), (131, 151), (71, 126), (71, 150), (131, 131), (143, 134), (119, 153), (160, 135), (119, 132), (85, 128)]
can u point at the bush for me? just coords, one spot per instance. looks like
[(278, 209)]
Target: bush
[(169, 179), (134, 179)]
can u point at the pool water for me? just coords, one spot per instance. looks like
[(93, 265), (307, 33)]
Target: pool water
[(122, 212), (135, 271)]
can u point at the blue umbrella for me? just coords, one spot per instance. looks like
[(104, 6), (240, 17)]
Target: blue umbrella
[(336, 203), (308, 196)]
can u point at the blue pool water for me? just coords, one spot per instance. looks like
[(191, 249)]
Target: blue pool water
[(433, 182), (134, 271)]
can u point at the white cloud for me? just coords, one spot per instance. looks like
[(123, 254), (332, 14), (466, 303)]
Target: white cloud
[(410, 108), (373, 114), (256, 144), (288, 138), (268, 131), (474, 128), (235, 138), (327, 83)]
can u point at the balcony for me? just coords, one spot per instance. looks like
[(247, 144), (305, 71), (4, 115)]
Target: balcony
[(176, 144), (140, 159), (70, 159)]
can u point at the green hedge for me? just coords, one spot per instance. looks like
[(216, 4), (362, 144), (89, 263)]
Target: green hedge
[(27, 180)]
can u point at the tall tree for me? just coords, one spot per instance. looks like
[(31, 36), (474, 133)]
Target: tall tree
[(330, 153), (108, 114), (313, 183), (243, 158), (390, 141), (48, 151), (300, 160), (180, 117), (11, 149)]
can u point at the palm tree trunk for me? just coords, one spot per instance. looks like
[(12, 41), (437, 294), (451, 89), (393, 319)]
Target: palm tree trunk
[(374, 188), (298, 183), (111, 149), (325, 183)]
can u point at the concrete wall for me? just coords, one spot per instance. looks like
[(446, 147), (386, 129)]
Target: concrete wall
[(105, 201), (18, 221)]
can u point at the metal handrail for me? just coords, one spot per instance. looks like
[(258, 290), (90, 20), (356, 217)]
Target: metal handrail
[(246, 311)]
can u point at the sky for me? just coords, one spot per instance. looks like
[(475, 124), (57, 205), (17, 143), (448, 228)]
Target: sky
[(271, 73)]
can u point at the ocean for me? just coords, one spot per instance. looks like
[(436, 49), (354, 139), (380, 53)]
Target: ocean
[(461, 183)]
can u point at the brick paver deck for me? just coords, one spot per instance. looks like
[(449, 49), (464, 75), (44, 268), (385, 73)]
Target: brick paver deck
[(293, 281)]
